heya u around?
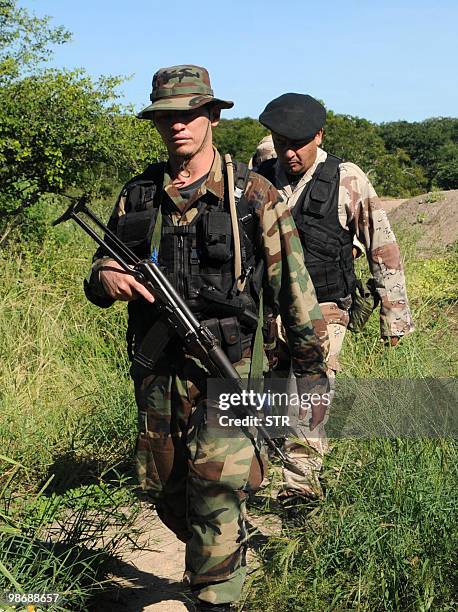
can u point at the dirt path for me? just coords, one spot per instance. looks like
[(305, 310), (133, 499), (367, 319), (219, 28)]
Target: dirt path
[(149, 576)]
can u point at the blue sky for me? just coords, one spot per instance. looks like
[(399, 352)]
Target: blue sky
[(379, 60)]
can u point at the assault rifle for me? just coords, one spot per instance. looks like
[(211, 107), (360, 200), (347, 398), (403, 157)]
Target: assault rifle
[(196, 338)]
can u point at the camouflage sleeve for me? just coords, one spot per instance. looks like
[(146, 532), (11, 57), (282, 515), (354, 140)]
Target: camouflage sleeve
[(374, 231), (288, 289)]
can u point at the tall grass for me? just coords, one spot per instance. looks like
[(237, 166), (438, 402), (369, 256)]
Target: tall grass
[(52, 543), (68, 418), (64, 385), (385, 535)]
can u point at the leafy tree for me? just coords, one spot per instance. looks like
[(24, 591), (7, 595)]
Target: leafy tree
[(59, 129), (239, 137), (431, 143), (352, 138), (62, 129), (447, 166), (135, 144), (25, 41), (358, 140)]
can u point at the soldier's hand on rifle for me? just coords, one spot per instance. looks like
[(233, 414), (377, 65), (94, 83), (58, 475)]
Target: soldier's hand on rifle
[(120, 285)]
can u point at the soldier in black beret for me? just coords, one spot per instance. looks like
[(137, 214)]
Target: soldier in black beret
[(296, 117), (334, 206), (296, 122)]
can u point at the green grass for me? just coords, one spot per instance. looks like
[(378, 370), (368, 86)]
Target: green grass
[(68, 418), (64, 372), (51, 543), (384, 536)]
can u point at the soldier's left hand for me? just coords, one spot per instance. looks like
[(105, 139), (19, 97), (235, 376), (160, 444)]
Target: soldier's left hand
[(319, 398)]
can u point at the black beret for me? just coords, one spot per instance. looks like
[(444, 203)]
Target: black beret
[(294, 116)]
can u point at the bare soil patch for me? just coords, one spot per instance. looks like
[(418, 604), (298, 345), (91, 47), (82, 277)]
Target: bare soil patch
[(148, 577), (434, 215)]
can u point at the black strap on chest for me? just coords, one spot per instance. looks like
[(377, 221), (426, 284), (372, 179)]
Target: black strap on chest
[(141, 191), (244, 212), (319, 189)]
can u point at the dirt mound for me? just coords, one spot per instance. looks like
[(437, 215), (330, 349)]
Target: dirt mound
[(433, 215)]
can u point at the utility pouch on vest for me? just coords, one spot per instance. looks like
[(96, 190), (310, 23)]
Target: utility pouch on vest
[(217, 230), (134, 229), (227, 331), (231, 338), (322, 247), (216, 303)]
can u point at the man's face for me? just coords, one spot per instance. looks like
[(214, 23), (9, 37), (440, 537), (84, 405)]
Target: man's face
[(295, 156), (186, 132)]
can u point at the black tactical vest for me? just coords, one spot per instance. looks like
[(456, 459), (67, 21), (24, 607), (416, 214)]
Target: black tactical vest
[(326, 244), (198, 259)]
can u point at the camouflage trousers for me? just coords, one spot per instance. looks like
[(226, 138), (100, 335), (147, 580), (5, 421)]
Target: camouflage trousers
[(309, 447), (198, 481)]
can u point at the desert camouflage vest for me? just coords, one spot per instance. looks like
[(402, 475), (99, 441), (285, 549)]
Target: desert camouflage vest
[(326, 244), (197, 258)]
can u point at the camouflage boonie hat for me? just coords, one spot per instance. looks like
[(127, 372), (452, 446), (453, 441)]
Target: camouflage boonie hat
[(181, 88)]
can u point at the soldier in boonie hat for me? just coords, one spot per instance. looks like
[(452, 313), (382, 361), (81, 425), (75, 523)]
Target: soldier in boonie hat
[(183, 213), (183, 87)]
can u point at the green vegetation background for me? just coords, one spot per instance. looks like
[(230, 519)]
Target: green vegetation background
[(384, 536)]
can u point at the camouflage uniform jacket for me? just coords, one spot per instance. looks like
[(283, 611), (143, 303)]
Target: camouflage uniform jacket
[(360, 211), (287, 287)]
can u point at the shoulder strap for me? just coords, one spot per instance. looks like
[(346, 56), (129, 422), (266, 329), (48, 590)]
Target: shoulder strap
[(234, 221), (237, 176), (145, 188), (242, 173), (151, 176), (317, 192), (154, 172), (321, 188)]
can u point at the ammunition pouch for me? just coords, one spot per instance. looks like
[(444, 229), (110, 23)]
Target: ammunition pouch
[(227, 331), (217, 230), (230, 336), (241, 306)]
